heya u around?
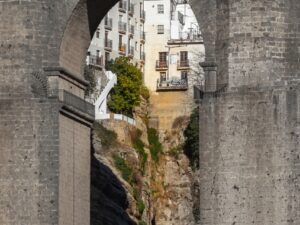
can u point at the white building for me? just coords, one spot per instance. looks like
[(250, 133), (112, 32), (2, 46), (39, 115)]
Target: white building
[(173, 47), (121, 33)]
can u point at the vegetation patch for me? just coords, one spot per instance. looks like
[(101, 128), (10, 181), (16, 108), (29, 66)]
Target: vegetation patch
[(155, 145), (141, 222), (176, 151), (191, 144), (130, 177), (108, 137), (138, 145), (126, 94), (126, 171)]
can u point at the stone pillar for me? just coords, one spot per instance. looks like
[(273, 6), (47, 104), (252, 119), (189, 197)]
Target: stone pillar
[(210, 75)]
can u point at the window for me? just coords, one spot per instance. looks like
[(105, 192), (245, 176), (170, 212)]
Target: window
[(107, 58), (97, 53), (160, 9), (97, 33), (160, 29), (163, 56), (183, 56), (120, 42), (184, 75), (163, 76)]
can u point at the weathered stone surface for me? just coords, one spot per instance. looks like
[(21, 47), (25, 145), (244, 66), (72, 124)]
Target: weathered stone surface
[(108, 197)]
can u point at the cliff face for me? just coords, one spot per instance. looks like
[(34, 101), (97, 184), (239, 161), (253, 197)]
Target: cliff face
[(109, 200), (141, 175)]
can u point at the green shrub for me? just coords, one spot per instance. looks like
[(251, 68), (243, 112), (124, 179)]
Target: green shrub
[(145, 92), (107, 137), (176, 151), (126, 171), (139, 201), (141, 222), (139, 147), (126, 93), (140, 206), (191, 144), (155, 145)]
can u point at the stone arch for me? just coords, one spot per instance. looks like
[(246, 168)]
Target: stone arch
[(79, 31)]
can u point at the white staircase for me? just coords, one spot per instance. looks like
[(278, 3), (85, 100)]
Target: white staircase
[(101, 102)]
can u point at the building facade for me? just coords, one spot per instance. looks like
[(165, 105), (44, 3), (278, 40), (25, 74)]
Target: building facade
[(120, 33), (173, 55)]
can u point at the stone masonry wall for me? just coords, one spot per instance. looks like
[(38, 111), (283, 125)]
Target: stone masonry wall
[(31, 34), (249, 158), (249, 147)]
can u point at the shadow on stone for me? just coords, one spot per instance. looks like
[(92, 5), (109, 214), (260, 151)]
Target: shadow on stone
[(108, 198)]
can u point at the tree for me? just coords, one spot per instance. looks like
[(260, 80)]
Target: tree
[(126, 94)]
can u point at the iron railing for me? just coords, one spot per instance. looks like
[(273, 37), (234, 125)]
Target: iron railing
[(122, 6), (108, 44), (172, 84), (95, 60), (183, 64), (122, 49), (131, 51), (143, 36), (162, 65), (131, 9), (122, 27), (108, 23), (143, 56), (142, 15), (131, 29), (76, 102)]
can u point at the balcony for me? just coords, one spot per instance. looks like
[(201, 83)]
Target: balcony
[(122, 27), (131, 51), (183, 64), (95, 61), (174, 84), (108, 23), (131, 9), (187, 38), (142, 36), (122, 49), (108, 44), (161, 65), (131, 30), (122, 6), (143, 15)]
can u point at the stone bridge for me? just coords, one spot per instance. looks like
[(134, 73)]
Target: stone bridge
[(249, 131)]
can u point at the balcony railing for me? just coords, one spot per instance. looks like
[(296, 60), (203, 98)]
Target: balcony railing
[(172, 84), (143, 15), (187, 37), (122, 27), (122, 6), (95, 60), (143, 56), (131, 9), (131, 30), (74, 102), (122, 49), (108, 23), (131, 51), (162, 65), (108, 44), (183, 64), (143, 36)]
